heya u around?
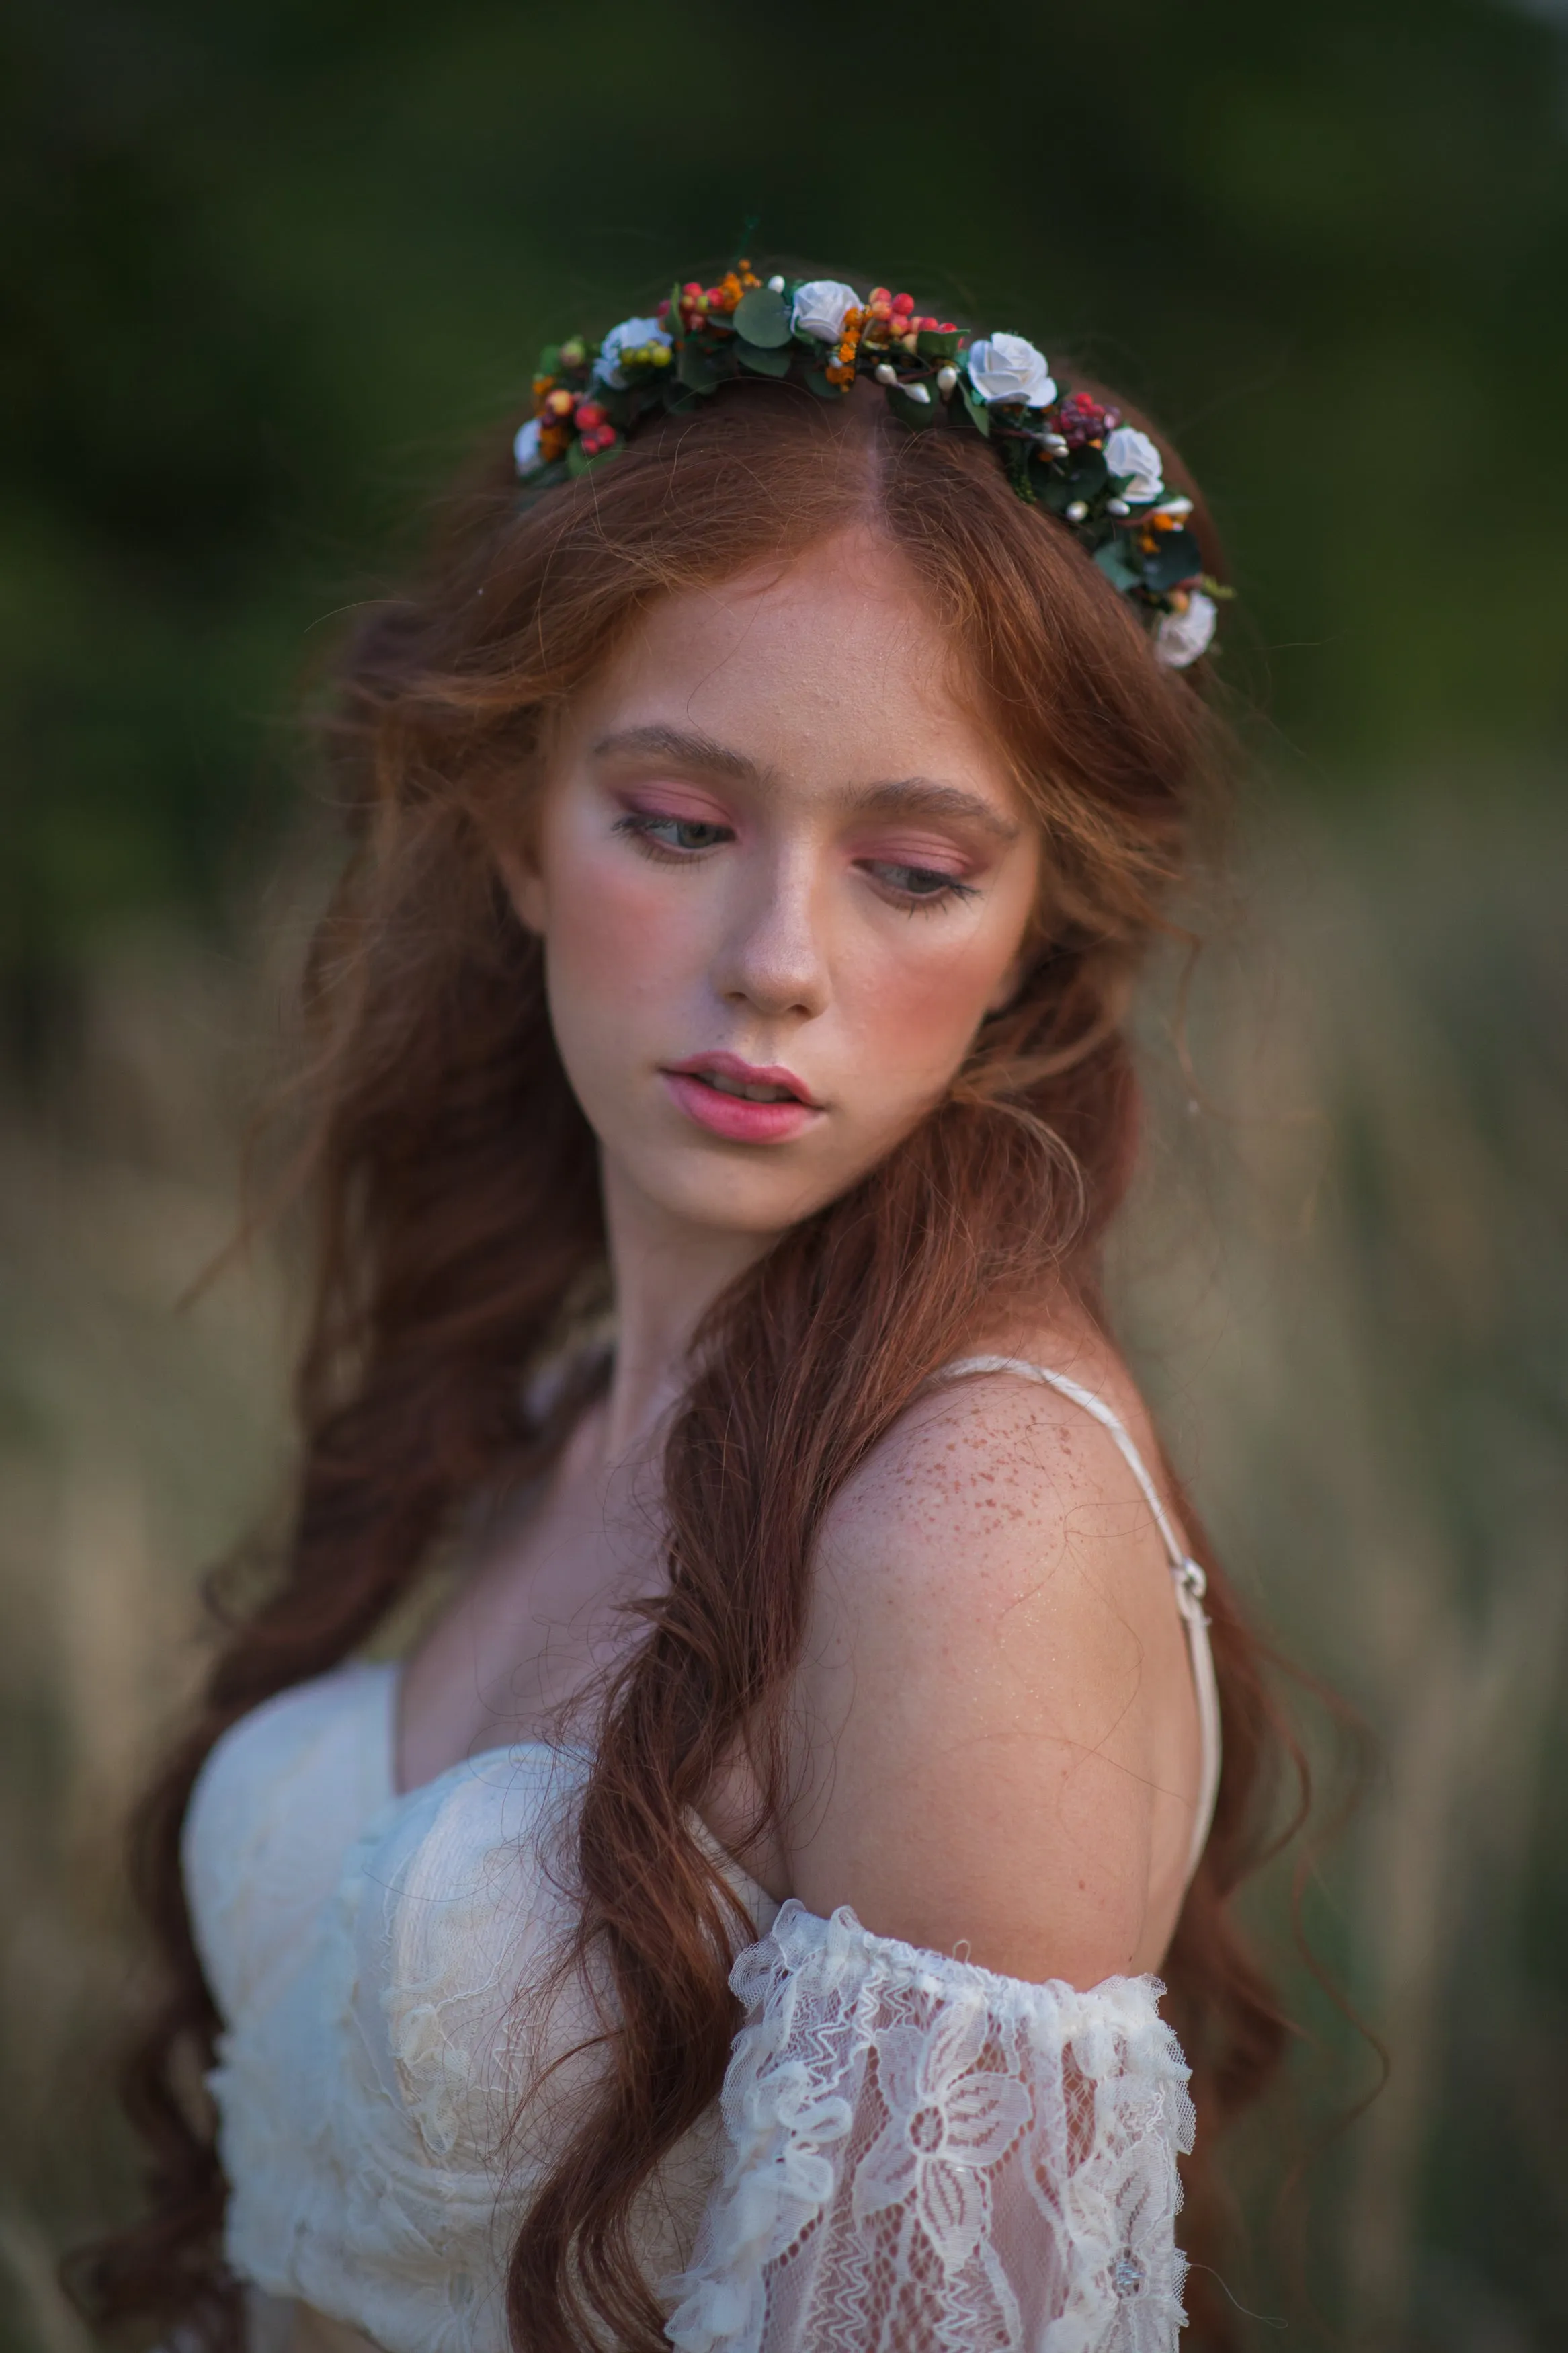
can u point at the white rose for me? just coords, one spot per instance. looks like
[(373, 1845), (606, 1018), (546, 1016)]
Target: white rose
[(819, 307), (1008, 368), (525, 449), (1181, 638), (629, 336), (1129, 452)]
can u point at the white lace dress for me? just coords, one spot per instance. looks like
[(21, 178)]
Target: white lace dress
[(911, 2155)]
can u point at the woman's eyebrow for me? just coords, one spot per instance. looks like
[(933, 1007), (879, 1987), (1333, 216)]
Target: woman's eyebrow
[(923, 796), (694, 752), (908, 796)]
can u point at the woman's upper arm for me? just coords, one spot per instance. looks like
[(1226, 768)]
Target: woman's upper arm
[(995, 1741)]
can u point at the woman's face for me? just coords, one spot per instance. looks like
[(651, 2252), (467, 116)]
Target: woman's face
[(781, 875)]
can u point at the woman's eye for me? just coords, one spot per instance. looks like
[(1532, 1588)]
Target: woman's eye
[(918, 882), (676, 833)]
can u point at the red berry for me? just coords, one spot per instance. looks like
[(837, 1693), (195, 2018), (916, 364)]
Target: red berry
[(590, 413), (904, 304)]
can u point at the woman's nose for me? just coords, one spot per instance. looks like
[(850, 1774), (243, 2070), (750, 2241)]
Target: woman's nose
[(772, 956)]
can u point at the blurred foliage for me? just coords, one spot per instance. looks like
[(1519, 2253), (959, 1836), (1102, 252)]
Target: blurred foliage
[(270, 265)]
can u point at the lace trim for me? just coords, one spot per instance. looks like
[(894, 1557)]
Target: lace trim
[(927, 2157)]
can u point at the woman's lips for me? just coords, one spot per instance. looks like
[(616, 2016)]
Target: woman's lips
[(703, 1088)]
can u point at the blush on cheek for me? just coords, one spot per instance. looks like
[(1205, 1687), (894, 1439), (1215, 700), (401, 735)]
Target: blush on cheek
[(618, 936), (920, 1012)]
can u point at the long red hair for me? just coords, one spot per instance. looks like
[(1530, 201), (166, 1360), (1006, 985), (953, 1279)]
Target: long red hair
[(460, 1243)]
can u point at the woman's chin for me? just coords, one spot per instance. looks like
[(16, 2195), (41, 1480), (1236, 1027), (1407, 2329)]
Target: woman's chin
[(727, 1189)]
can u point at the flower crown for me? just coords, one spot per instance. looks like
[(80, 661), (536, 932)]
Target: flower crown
[(1063, 449)]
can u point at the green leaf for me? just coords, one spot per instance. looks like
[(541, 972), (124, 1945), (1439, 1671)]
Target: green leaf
[(816, 382), (548, 361), (979, 414), (694, 368), (1120, 564), (579, 462), (1015, 454), (764, 318), (761, 361), (1087, 473), (1178, 557), (1081, 474), (918, 413), (933, 346), (549, 478)]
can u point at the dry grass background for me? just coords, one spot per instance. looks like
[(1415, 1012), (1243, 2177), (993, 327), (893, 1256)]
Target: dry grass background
[(1347, 1281)]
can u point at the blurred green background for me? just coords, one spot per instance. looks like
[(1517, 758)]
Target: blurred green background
[(269, 266)]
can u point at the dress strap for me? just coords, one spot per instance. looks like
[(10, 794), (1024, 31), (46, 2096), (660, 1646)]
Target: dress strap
[(1186, 1574)]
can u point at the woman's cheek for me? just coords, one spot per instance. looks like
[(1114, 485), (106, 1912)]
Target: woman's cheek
[(620, 933), (919, 1010)]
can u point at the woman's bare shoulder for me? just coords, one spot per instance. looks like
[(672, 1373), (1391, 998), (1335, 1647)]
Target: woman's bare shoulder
[(996, 1729)]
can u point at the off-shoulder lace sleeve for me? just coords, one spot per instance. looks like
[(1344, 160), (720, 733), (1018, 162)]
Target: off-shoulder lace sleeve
[(926, 2157)]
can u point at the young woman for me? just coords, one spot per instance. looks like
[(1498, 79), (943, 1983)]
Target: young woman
[(733, 1924)]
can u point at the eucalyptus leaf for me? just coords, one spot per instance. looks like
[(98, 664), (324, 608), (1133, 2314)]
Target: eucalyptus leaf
[(1087, 473), (816, 382), (1120, 564), (761, 359), (694, 368), (548, 477), (1177, 557), (764, 318), (578, 461), (918, 413)]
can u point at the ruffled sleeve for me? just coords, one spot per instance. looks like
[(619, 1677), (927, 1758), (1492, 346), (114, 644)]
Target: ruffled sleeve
[(926, 2157)]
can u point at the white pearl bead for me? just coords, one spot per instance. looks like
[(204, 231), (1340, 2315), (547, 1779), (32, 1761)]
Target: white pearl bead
[(946, 378), (775, 286), (886, 374), (1078, 511)]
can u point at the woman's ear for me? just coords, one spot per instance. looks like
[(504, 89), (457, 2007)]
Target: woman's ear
[(524, 887)]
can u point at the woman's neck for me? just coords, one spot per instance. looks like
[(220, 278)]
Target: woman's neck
[(666, 1272)]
